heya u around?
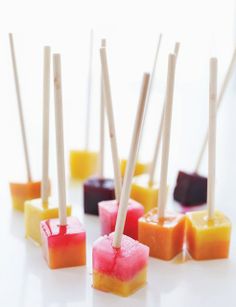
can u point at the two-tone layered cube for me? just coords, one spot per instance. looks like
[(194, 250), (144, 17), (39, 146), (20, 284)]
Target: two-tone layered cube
[(108, 211), (121, 270), (97, 190), (83, 164), (164, 236), (140, 168), (144, 192), (20, 192), (208, 239), (190, 189), (63, 245), (35, 212)]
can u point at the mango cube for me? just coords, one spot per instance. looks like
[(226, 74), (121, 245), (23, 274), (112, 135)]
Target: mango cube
[(63, 246), (208, 239), (35, 212), (83, 164), (122, 270), (108, 211), (164, 236), (20, 192), (140, 168), (144, 193), (96, 190)]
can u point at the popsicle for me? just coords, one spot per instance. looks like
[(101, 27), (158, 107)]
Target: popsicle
[(191, 188), (120, 262), (208, 232), (144, 188), (142, 167), (108, 209), (20, 192), (84, 162), (98, 188), (63, 239), (42, 208), (162, 230)]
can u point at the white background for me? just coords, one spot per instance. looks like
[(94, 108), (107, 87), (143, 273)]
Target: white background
[(204, 28)]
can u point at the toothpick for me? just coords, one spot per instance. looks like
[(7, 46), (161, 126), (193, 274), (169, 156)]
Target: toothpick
[(154, 66), (159, 135), (46, 101), (59, 138), (110, 116), (131, 164), (20, 109), (102, 124), (224, 86), (212, 138), (166, 135), (89, 91)]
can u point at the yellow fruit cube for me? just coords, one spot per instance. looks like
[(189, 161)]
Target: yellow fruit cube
[(144, 193), (83, 164), (35, 212), (208, 239), (140, 168)]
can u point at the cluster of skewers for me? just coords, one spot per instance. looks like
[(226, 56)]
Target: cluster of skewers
[(135, 221)]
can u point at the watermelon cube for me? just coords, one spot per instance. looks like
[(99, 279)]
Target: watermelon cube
[(122, 270), (63, 245), (108, 211)]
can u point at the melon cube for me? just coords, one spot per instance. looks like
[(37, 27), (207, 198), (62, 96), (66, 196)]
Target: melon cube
[(63, 246), (20, 192), (144, 193), (140, 168), (208, 239), (83, 164), (121, 270), (164, 236), (108, 211), (35, 212)]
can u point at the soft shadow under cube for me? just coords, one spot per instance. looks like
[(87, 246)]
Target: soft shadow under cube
[(63, 246), (95, 191), (164, 236), (190, 189)]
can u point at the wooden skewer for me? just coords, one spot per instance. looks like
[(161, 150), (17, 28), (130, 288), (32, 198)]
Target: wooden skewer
[(212, 138), (46, 110), (224, 86), (102, 123), (110, 116), (89, 90), (20, 109), (166, 135), (59, 138), (159, 135), (131, 164), (154, 66)]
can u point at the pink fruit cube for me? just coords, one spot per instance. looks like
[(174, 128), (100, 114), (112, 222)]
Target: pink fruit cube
[(119, 270), (63, 246), (108, 211)]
